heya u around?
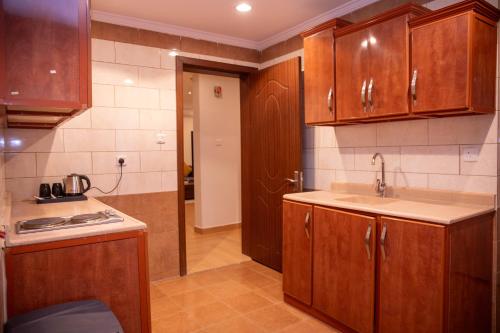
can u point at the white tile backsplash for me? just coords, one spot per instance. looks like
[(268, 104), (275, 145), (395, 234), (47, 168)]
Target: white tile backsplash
[(138, 55), (156, 78), (103, 50), (430, 159), (114, 118), (136, 97), (20, 165), (61, 164), (107, 73), (89, 140)]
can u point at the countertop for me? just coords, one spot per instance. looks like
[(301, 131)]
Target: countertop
[(25, 210), (443, 209)]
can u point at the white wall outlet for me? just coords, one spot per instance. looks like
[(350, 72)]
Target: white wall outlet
[(124, 158), (161, 138), (470, 154)]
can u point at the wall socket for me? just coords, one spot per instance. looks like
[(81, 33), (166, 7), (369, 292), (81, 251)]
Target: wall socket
[(124, 158), (470, 154)]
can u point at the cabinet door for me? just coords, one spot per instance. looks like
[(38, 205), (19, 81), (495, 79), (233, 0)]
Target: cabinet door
[(318, 77), (351, 65), (297, 251), (412, 268), (440, 58), (344, 267), (47, 45), (387, 87)]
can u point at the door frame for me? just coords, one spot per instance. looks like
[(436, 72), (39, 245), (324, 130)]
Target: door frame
[(192, 65)]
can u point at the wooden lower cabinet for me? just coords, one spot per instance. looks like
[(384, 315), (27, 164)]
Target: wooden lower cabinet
[(111, 268), (344, 267), (382, 274), (412, 272), (297, 251)]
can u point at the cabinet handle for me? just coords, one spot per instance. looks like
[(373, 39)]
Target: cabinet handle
[(330, 100), (414, 87), (14, 93), (53, 71), (383, 235), (363, 95), (367, 241), (307, 223), (370, 90)]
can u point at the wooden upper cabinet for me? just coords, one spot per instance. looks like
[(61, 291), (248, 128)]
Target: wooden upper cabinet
[(453, 56), (46, 60), (371, 66), (412, 275), (344, 267), (319, 72), (297, 251)]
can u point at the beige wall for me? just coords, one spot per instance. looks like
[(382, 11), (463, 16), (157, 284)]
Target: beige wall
[(188, 127), (217, 151)]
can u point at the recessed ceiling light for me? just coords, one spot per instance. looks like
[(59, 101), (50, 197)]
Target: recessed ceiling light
[(243, 7)]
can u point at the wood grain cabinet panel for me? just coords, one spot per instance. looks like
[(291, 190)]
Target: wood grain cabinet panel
[(453, 60), (46, 56), (412, 275), (344, 267), (297, 251), (319, 72)]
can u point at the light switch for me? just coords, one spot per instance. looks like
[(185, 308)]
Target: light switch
[(161, 138), (218, 142), (470, 154)]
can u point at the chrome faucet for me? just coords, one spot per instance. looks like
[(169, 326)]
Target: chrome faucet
[(380, 183)]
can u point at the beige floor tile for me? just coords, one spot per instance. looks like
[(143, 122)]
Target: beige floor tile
[(273, 318), (212, 313), (177, 286), (247, 302), (163, 307), (309, 326), (209, 277), (192, 299), (227, 289), (273, 293), (180, 322), (234, 325), (155, 292)]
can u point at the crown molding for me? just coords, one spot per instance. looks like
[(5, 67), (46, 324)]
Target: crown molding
[(336, 12), (171, 29)]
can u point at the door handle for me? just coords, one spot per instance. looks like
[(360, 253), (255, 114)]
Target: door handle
[(363, 95), (297, 180), (370, 91), (367, 241), (383, 236), (330, 100), (307, 223), (414, 87)]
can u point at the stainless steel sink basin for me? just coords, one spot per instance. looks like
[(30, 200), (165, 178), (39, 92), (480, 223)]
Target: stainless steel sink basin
[(367, 200)]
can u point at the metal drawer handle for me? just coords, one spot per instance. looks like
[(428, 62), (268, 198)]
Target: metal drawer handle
[(367, 241), (330, 100), (363, 95), (414, 87), (383, 235), (14, 93), (307, 223), (370, 90)]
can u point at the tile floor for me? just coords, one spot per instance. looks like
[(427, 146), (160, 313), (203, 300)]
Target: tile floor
[(213, 250), (241, 298)]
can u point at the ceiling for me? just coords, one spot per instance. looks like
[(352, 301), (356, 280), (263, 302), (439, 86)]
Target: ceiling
[(219, 17)]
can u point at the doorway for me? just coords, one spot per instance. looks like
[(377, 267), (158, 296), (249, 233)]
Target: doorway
[(270, 150), (212, 171)]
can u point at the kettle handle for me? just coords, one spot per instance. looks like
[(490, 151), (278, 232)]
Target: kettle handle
[(87, 180)]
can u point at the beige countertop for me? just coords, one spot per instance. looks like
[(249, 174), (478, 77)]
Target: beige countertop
[(430, 206), (25, 210)]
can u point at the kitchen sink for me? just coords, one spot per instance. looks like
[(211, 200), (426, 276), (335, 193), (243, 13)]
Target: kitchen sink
[(367, 200)]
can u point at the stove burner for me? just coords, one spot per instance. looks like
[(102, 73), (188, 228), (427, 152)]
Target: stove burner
[(46, 222), (83, 218)]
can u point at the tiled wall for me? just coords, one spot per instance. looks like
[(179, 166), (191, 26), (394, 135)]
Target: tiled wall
[(133, 102)]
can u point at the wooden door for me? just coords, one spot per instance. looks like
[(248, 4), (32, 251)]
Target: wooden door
[(388, 45), (297, 251), (47, 53), (275, 153), (439, 55), (318, 77), (351, 72), (344, 267), (411, 284)]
